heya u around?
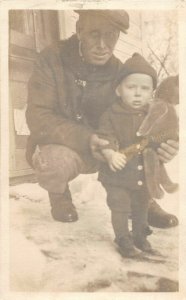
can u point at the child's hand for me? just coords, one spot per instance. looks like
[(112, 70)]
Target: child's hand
[(116, 160)]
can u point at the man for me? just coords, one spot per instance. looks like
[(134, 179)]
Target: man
[(72, 85)]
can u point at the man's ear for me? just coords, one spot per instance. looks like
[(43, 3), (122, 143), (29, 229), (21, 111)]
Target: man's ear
[(118, 91)]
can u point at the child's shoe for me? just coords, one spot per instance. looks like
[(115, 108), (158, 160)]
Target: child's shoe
[(127, 248), (143, 244)]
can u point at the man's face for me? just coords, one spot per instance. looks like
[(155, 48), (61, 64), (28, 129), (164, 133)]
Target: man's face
[(98, 38), (136, 90)]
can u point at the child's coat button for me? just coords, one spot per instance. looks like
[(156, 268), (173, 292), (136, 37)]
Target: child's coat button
[(140, 182), (140, 167)]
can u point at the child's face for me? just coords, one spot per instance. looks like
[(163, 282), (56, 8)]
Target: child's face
[(136, 90)]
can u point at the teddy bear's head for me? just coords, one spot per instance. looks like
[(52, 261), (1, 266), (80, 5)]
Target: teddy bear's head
[(168, 90)]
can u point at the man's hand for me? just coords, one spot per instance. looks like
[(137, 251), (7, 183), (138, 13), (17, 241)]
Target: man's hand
[(96, 145), (167, 151), (116, 160)]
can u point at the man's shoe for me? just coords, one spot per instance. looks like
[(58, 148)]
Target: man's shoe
[(62, 208), (127, 249), (65, 213), (159, 218)]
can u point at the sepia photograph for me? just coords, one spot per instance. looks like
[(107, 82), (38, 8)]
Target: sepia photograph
[(94, 183)]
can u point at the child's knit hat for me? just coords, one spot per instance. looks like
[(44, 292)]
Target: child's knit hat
[(137, 64)]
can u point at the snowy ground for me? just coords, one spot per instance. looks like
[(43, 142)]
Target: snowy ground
[(81, 257)]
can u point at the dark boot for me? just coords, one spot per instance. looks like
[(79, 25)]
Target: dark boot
[(140, 228), (62, 208), (142, 244), (123, 237), (126, 247), (159, 218)]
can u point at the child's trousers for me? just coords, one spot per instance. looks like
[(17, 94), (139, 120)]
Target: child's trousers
[(123, 202)]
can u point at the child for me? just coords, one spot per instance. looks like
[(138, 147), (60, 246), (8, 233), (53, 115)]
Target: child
[(125, 181)]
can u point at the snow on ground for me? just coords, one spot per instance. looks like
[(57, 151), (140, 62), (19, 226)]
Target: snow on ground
[(50, 256)]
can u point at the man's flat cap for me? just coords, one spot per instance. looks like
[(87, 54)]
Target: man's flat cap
[(118, 18)]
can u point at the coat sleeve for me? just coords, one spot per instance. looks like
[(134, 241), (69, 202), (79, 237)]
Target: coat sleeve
[(106, 131), (47, 123)]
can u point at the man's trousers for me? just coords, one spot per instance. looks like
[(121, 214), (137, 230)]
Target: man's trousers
[(56, 165)]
